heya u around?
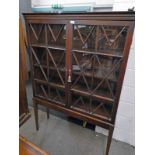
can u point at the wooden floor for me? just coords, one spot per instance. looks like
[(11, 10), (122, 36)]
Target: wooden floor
[(28, 148)]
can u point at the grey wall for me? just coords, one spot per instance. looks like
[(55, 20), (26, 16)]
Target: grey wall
[(24, 6)]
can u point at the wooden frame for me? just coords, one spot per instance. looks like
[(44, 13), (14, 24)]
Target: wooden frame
[(26, 147), (66, 47), (24, 114)]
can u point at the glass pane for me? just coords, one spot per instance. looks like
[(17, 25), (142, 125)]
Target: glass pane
[(56, 62), (41, 90), (56, 66), (80, 103), (57, 96), (37, 33), (56, 35), (40, 73), (100, 108), (48, 55), (104, 39), (39, 55)]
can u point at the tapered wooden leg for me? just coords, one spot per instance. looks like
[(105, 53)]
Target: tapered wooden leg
[(35, 105), (47, 110), (109, 139)]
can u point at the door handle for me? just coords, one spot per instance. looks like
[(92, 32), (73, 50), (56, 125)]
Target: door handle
[(69, 77)]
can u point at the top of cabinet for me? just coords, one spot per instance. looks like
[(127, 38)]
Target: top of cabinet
[(113, 15)]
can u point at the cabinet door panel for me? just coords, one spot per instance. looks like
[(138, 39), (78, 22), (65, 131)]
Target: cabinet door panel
[(48, 55), (97, 53)]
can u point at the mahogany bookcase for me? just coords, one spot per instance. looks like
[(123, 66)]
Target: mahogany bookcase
[(78, 62)]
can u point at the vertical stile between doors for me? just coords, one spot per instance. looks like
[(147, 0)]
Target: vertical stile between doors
[(69, 34)]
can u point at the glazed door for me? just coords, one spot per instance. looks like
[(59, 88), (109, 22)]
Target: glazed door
[(96, 56), (48, 55)]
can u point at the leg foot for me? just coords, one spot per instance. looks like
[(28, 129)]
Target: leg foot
[(35, 105), (109, 139), (47, 110)]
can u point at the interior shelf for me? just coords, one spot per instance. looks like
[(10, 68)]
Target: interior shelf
[(54, 85), (61, 48), (97, 75), (62, 69), (38, 65), (98, 95), (110, 53)]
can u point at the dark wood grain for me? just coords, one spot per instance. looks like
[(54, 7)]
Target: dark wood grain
[(23, 105), (28, 148)]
